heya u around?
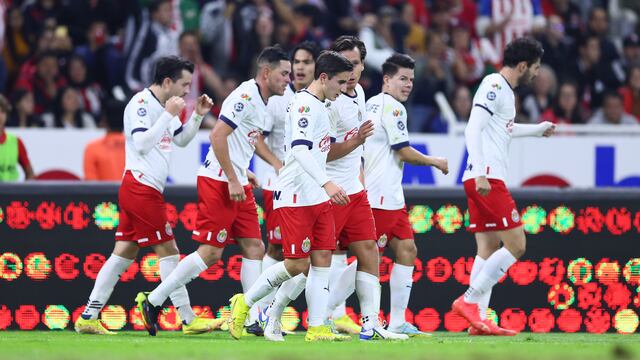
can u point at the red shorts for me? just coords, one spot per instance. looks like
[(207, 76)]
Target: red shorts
[(494, 212), (221, 219), (354, 221), (306, 228), (274, 235), (143, 216), (392, 224)]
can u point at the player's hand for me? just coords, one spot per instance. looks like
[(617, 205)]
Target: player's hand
[(204, 105), (550, 129), (482, 185), (236, 191), (253, 179), (336, 193), (441, 164), (365, 130), (174, 105)]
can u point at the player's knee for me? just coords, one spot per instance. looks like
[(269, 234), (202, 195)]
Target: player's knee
[(297, 266), (410, 250), (275, 252), (166, 249), (252, 248), (209, 254)]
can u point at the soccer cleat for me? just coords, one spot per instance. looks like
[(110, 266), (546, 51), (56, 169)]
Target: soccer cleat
[(379, 333), (493, 330), (253, 329), (91, 326), (346, 325), (470, 312), (273, 329), (323, 333), (148, 313), (239, 312), (202, 324), (409, 330)]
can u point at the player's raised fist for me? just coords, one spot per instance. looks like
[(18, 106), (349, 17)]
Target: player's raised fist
[(204, 105), (366, 130), (550, 129), (482, 185), (441, 164), (336, 193), (174, 105)]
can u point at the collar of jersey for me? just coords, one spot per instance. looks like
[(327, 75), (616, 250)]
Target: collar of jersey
[(154, 96), (349, 96), (259, 93), (507, 81), (307, 91)]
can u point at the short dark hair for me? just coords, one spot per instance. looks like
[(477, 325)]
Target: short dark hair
[(187, 33), (522, 49), (309, 46), (5, 107), (272, 55), (331, 63), (170, 67), (395, 62), (349, 42), (155, 5), (113, 113), (611, 94)]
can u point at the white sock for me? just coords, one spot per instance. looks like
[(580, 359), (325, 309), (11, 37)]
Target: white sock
[(288, 292), (249, 273), (270, 279), (107, 278), (494, 268), (341, 289), (180, 296), (317, 294), (368, 289), (267, 261), (478, 263), (188, 269), (400, 285), (338, 264)]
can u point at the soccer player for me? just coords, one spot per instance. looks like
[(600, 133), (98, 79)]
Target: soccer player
[(302, 200), (303, 58), (151, 127), (226, 206), (384, 156), (493, 215)]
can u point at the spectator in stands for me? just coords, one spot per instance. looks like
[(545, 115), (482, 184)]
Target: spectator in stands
[(558, 48), (12, 150), (612, 112), (630, 53), (461, 103), (154, 39), (38, 15), (23, 110), (45, 83), (104, 159), (409, 34), (376, 36), (68, 111), (565, 109), (543, 90), (103, 60), (464, 12), (440, 20), (16, 48), (631, 93), (599, 25), (569, 14), (90, 92), (468, 65)]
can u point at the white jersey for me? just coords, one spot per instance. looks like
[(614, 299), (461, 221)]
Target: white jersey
[(152, 168), (495, 96), (245, 111), (307, 125), (382, 168), (347, 113), (274, 131)]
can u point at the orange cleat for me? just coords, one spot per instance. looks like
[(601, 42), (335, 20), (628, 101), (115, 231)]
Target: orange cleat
[(494, 330), (470, 312)]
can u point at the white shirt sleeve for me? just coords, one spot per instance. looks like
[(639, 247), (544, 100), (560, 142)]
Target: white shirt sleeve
[(522, 130), (233, 111), (394, 122), (183, 135), (478, 120), (145, 137)]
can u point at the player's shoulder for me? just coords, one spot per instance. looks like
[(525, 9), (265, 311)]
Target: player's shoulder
[(393, 107), (141, 98), (494, 82), (246, 93)]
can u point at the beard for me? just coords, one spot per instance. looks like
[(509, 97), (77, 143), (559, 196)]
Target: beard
[(526, 79)]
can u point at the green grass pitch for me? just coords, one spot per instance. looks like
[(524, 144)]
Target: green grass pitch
[(45, 345)]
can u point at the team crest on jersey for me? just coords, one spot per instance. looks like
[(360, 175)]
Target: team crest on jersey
[(491, 95), (167, 229), (401, 126), (325, 143), (304, 109), (277, 234), (496, 86), (245, 97), (306, 245), (222, 236), (515, 215), (238, 107), (398, 112), (303, 122), (382, 241), (142, 112)]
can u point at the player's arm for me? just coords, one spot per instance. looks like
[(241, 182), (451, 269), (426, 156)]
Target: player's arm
[(545, 128), (302, 152), (25, 163), (183, 135), (478, 120), (339, 150), (263, 151), (146, 137), (414, 157), (220, 146)]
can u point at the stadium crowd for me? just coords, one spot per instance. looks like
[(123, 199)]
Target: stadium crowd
[(62, 60)]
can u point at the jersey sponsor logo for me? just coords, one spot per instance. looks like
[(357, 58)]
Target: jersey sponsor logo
[(142, 111), (222, 236), (398, 112), (382, 241), (510, 125), (401, 126), (304, 109), (245, 97), (373, 108), (252, 136), (491, 95), (306, 245), (325, 144), (303, 122), (238, 107), (515, 216), (207, 163), (351, 133), (165, 142), (276, 195), (167, 229)]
